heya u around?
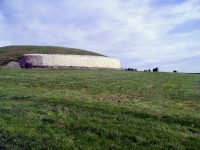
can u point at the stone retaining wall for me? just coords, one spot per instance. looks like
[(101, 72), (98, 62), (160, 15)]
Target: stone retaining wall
[(69, 61)]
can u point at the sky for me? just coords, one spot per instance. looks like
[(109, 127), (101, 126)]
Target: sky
[(142, 34)]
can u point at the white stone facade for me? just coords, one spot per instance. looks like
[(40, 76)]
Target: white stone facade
[(62, 60)]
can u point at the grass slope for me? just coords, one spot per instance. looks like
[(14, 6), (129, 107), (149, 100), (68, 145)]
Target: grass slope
[(91, 109), (14, 52)]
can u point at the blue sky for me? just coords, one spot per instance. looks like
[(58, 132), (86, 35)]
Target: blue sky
[(142, 34)]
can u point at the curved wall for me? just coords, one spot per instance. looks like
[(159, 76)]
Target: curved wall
[(53, 60)]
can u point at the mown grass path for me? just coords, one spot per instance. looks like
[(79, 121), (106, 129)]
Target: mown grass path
[(92, 109)]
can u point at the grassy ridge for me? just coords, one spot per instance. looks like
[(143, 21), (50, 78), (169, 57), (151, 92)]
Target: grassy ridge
[(91, 109), (14, 52)]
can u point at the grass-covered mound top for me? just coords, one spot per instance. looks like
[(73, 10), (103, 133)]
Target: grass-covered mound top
[(9, 53)]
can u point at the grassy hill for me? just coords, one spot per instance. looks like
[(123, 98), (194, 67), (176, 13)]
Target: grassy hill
[(9, 53), (91, 109)]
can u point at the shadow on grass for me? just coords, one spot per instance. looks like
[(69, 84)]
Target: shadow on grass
[(94, 110), (1, 147)]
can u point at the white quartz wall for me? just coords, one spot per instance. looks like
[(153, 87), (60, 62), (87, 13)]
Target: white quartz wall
[(69, 60)]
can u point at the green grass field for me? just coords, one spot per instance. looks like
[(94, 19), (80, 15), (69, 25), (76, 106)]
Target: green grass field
[(92, 109)]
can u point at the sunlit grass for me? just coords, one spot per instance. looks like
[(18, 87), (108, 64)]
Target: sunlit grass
[(91, 109)]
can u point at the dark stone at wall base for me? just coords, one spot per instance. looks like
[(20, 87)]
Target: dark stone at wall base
[(28, 66)]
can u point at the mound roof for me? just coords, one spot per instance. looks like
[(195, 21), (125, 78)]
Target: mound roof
[(10, 53)]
